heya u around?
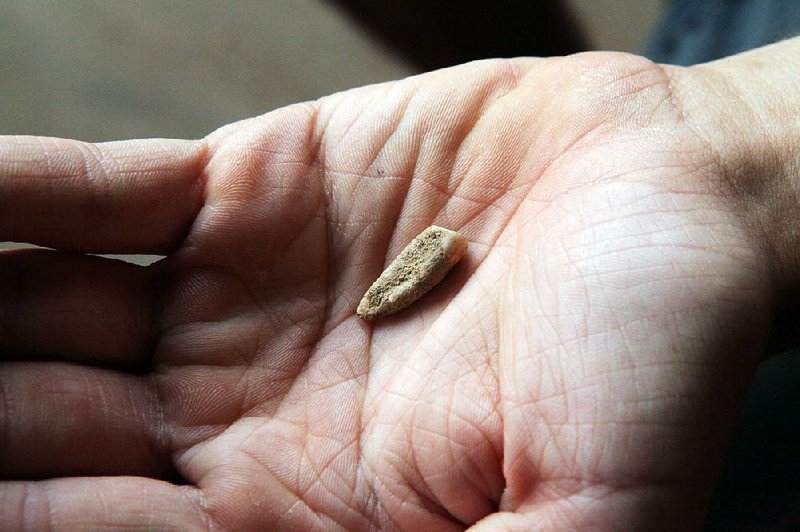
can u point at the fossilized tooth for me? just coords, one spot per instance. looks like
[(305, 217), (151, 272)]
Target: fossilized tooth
[(418, 268)]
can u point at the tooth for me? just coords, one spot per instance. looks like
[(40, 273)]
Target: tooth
[(418, 268)]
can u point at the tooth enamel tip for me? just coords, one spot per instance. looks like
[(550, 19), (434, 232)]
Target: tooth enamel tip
[(419, 267)]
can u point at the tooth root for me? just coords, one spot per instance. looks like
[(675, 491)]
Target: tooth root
[(418, 268)]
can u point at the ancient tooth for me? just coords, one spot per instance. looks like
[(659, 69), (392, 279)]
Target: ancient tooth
[(418, 268)]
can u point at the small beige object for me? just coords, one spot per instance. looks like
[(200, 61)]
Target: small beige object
[(417, 269)]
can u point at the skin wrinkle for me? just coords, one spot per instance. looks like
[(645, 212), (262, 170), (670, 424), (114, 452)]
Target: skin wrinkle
[(24, 498), (244, 448), (588, 385), (408, 180), (478, 214), (383, 145), (362, 465), (319, 161), (196, 498), (348, 505), (177, 331), (201, 182), (46, 156), (504, 352), (336, 384), (316, 167), (317, 472), (458, 140), (298, 500), (343, 136), (426, 492), (673, 76), (263, 311), (480, 109), (418, 488), (491, 202), (452, 441), (727, 178), (157, 439), (468, 361), (95, 171), (399, 465), (243, 388), (551, 430), (326, 466), (306, 457), (494, 496), (314, 340), (476, 427), (637, 88)]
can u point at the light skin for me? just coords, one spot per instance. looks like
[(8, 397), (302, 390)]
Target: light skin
[(632, 231)]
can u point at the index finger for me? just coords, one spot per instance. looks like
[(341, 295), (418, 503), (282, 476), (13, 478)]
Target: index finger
[(137, 196)]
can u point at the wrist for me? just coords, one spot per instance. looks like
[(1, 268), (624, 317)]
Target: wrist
[(746, 108)]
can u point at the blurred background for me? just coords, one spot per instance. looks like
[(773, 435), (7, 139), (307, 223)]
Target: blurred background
[(114, 69)]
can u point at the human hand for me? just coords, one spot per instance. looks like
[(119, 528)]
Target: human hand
[(580, 369)]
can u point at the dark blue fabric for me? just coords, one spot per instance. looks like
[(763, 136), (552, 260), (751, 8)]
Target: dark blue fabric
[(696, 31)]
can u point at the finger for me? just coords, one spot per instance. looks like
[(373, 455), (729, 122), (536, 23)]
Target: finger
[(136, 196), (75, 307), (101, 503), (60, 419)]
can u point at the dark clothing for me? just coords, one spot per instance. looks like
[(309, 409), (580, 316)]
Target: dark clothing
[(697, 31)]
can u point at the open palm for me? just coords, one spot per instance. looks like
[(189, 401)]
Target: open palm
[(578, 369)]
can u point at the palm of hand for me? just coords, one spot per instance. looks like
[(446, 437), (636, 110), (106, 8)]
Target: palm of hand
[(573, 371)]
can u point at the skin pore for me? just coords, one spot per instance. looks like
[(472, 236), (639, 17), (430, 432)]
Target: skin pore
[(632, 232)]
